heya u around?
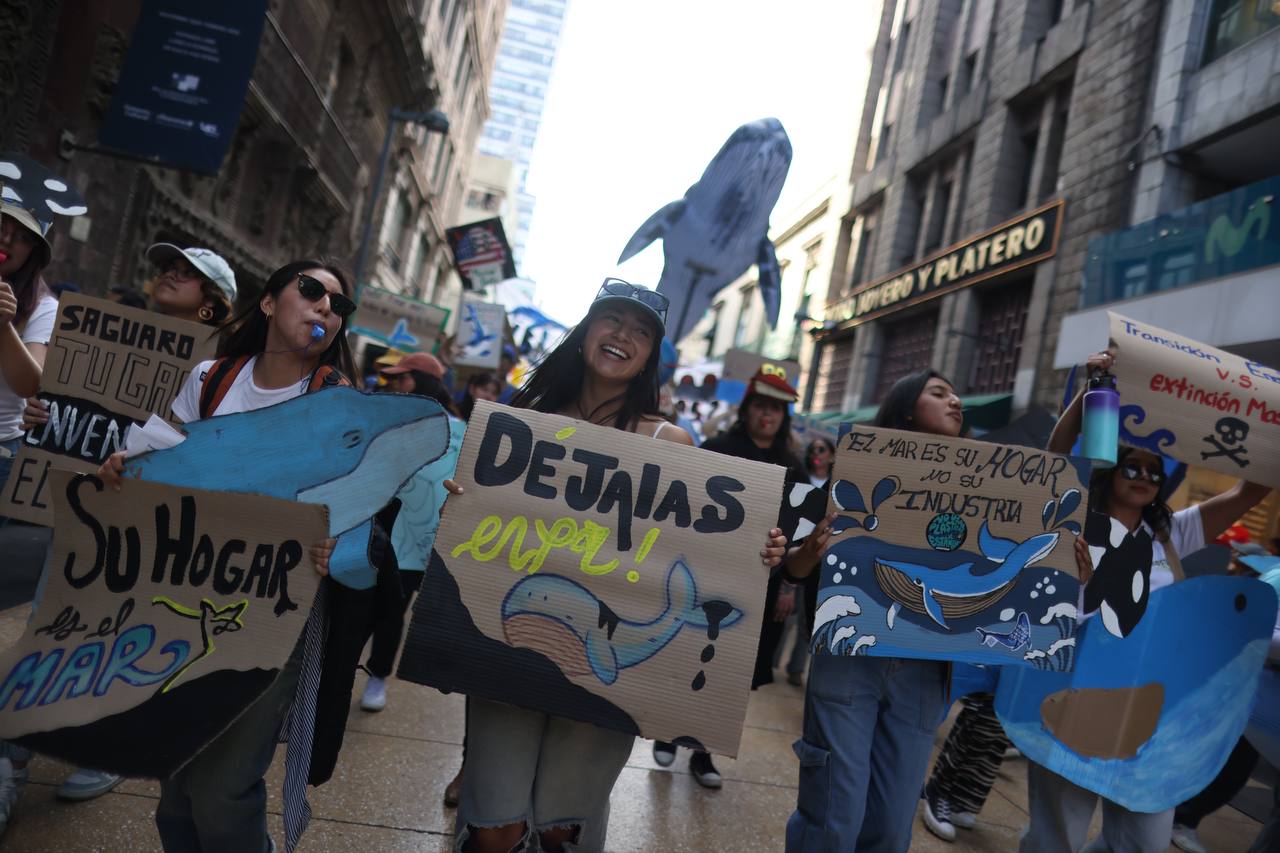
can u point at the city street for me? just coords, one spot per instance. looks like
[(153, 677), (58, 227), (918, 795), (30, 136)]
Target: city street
[(386, 792)]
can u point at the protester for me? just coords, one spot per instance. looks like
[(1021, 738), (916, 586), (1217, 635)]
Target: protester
[(869, 721), (528, 773), (415, 527), (965, 769), (128, 297), (481, 386), (291, 341), (1130, 492)]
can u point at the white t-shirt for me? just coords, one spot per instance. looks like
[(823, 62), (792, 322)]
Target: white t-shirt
[(1186, 535), (244, 395), (39, 330)]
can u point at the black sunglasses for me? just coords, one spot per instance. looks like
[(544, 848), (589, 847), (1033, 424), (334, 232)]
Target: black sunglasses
[(313, 291), (643, 295), (1135, 472)]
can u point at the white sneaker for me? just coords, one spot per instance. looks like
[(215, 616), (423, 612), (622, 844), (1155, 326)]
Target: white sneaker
[(937, 818), (1186, 838), (664, 753), (964, 820), (375, 695), (12, 781), (87, 784)]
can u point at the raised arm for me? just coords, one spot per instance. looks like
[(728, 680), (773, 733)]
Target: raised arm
[(1221, 511), (1064, 434)]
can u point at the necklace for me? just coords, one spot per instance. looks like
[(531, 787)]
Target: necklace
[(591, 418)]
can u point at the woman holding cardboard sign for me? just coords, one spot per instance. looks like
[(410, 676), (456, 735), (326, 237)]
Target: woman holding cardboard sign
[(527, 771), (290, 342), (1131, 494), (869, 721)]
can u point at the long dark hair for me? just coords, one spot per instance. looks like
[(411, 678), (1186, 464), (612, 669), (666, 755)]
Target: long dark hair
[(557, 379), (246, 334), (1156, 514), (780, 448), (808, 452), (898, 409), (468, 404), (28, 283)]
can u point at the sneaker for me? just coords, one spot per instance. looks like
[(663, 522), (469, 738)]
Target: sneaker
[(704, 771), (12, 781), (1011, 753), (1186, 838), (664, 753), (84, 784), (964, 820), (453, 791), (796, 679), (937, 818), (374, 697)]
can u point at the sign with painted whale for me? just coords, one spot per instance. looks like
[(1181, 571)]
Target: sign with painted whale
[(482, 328), (598, 575), (108, 366), (1199, 404), (399, 321), (950, 549), (167, 612)]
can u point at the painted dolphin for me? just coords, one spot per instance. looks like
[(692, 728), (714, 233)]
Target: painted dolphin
[(479, 335), (1013, 640), (337, 446), (566, 622), (721, 226), (960, 581)]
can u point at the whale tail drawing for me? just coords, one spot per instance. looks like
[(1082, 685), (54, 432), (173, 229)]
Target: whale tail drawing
[(683, 603)]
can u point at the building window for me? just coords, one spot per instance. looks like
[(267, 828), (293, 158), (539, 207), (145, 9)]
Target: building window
[(1002, 318), (452, 27), (862, 260), (904, 38), (968, 73), (1233, 23), (1027, 143), (943, 85), (837, 361), (908, 347), (938, 217)]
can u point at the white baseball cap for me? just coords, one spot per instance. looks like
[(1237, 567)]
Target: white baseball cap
[(210, 264)]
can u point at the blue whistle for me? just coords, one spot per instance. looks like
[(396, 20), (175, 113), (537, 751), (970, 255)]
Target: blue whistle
[(317, 331)]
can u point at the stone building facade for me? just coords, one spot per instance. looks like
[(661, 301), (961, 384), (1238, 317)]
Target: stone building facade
[(296, 179), (994, 144)]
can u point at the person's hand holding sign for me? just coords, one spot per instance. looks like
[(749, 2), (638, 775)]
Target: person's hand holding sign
[(775, 547), (320, 553), (8, 303)]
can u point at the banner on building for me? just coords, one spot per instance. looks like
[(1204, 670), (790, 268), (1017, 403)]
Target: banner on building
[(402, 323), (598, 575), (108, 366), (1199, 404), (950, 549), (180, 95), (167, 612), (481, 332), (481, 251)]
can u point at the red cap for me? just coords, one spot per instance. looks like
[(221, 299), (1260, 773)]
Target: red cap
[(771, 381), (423, 361)]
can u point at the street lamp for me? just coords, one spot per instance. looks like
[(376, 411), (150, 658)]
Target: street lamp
[(434, 121)]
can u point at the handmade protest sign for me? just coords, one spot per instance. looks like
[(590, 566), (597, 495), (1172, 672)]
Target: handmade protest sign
[(950, 549), (1147, 720), (406, 324), (480, 334), (1196, 403), (599, 575), (167, 612), (108, 366)]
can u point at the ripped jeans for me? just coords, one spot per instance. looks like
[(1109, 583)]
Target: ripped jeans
[(545, 771)]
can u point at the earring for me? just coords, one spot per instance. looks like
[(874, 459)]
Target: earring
[(205, 313)]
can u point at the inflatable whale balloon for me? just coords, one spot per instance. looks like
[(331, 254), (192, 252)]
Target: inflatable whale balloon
[(721, 226)]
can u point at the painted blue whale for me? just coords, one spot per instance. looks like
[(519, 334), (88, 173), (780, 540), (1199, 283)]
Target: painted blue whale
[(961, 581), (337, 446), (721, 226), (565, 621)]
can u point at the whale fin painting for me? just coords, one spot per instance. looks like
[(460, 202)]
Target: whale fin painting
[(480, 334), (721, 226), (1148, 719), (598, 575), (950, 549), (354, 453)]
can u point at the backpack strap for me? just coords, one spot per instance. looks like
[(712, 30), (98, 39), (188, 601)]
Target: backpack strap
[(326, 375), (218, 381), (1171, 557)]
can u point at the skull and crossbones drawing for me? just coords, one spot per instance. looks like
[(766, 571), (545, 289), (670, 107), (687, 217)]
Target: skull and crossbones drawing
[(1228, 437)]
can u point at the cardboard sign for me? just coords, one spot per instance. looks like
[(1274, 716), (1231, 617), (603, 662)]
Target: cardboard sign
[(108, 366), (1148, 720), (599, 575), (168, 611), (480, 334), (409, 325), (1196, 403), (951, 549)]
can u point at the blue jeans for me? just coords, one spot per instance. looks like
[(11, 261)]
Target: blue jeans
[(869, 725)]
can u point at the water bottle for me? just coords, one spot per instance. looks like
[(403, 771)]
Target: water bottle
[(1101, 433)]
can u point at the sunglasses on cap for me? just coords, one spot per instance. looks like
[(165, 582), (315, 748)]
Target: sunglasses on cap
[(649, 298), (313, 290), (1131, 471)]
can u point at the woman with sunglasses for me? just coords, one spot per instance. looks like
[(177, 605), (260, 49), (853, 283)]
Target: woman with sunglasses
[(527, 772), (869, 722), (1131, 493), (217, 801)]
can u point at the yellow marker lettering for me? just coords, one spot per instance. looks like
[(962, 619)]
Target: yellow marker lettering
[(650, 539), (588, 543), (489, 527), (564, 433)]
